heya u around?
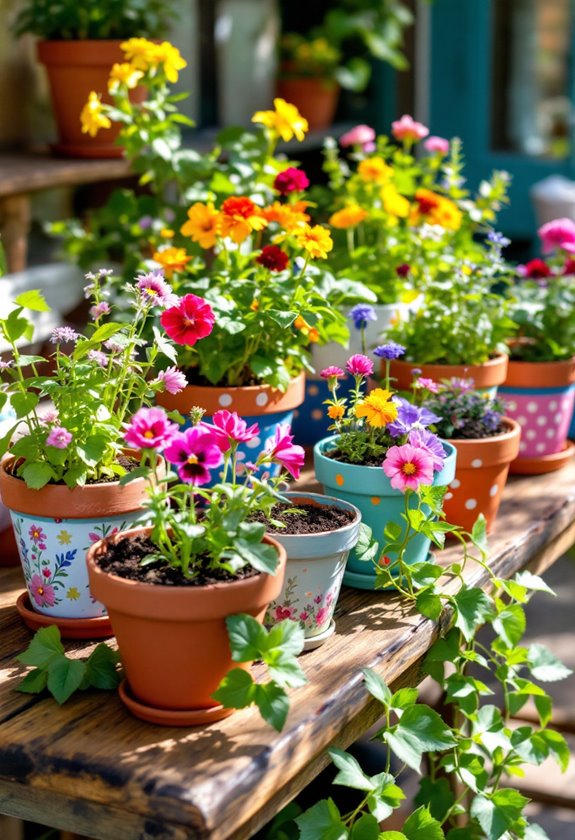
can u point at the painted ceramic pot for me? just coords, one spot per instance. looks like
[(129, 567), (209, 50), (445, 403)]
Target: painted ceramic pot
[(169, 681), (259, 404), (55, 527), (369, 489), (486, 377), (482, 468), (315, 568), (540, 396)]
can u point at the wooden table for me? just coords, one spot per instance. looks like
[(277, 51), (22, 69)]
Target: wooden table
[(92, 768)]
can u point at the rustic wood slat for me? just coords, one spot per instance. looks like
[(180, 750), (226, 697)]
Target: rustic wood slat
[(98, 767)]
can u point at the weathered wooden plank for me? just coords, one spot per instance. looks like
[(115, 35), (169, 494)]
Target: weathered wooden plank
[(25, 173)]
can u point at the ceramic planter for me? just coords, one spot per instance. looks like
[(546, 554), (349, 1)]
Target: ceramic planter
[(314, 572), (54, 527), (173, 639), (540, 397), (480, 476), (368, 488), (486, 377), (316, 99), (259, 404)]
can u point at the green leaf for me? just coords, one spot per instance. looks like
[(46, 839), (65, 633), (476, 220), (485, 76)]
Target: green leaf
[(23, 404), (535, 832), (282, 319), (273, 703), (420, 730), (422, 826), (286, 635), (558, 747), (104, 332), (473, 608), (322, 822), (436, 794), (403, 698), (350, 773), (37, 474), (366, 828), (236, 690), (479, 533), (247, 637), (534, 582), (376, 687), (545, 666), (392, 835), (429, 604), (92, 450), (498, 813), (510, 624), (34, 682), (101, 670), (15, 326), (544, 706), (285, 670), (45, 645), (64, 677), (34, 300), (260, 556)]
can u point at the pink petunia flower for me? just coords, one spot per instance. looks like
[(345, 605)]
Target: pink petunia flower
[(172, 379), (437, 144), (408, 467), (408, 129), (559, 233), (228, 427), (194, 452), (59, 437), (359, 365), (150, 428), (281, 449), (360, 135), (43, 593), (192, 319), (291, 180)]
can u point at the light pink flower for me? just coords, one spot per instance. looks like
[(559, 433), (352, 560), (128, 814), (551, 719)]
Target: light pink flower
[(150, 428), (99, 309), (229, 428), (359, 365), (321, 615), (173, 380), (281, 449), (332, 371), (98, 357), (408, 129), (43, 593), (59, 437), (559, 233), (360, 135), (429, 384), (437, 144), (407, 467), (154, 289)]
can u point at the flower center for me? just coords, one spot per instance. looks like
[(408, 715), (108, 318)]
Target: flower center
[(192, 459), (40, 590), (409, 468), (148, 434), (189, 322)]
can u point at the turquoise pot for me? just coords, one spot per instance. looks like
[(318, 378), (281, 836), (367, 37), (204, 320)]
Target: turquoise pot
[(369, 489)]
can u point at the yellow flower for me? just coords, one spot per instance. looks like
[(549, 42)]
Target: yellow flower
[(72, 594), (348, 216), (288, 216), (92, 116), (171, 59), (336, 412), (64, 537), (316, 240), (141, 53), (286, 121), (167, 233), (203, 225), (377, 408), (171, 259), (239, 217), (124, 74), (394, 203), (374, 169)]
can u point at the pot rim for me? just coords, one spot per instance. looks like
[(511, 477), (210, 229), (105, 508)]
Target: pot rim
[(320, 446), (513, 431), (556, 373), (322, 500)]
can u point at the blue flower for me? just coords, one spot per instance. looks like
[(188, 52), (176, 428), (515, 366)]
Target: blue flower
[(361, 314), (392, 350), (498, 239)]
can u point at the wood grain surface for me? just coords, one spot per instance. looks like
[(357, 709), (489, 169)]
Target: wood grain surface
[(91, 767)]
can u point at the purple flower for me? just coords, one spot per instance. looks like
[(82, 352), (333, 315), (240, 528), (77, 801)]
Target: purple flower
[(6, 365), (332, 371), (463, 385), (113, 345), (61, 335), (359, 365), (424, 439), (172, 379), (361, 314), (150, 428), (154, 289), (99, 309), (98, 357), (145, 222), (194, 452), (410, 417), (59, 437), (231, 428), (498, 239), (391, 350)]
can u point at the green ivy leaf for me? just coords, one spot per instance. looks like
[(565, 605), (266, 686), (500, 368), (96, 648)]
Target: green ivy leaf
[(422, 826), (473, 609), (64, 677), (34, 682), (479, 533), (273, 703), (403, 698), (287, 635), (34, 300), (393, 531), (429, 604), (510, 624), (366, 828), (436, 794), (236, 690), (44, 647), (420, 730), (535, 832), (545, 666), (558, 747), (376, 687), (533, 582), (499, 812), (425, 574), (386, 798), (247, 637), (544, 706), (15, 326), (350, 773), (285, 670), (322, 822), (36, 474), (101, 670)]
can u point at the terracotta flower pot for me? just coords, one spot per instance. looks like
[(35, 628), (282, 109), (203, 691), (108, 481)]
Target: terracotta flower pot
[(74, 69), (540, 396), (316, 99), (486, 377), (480, 476), (173, 639)]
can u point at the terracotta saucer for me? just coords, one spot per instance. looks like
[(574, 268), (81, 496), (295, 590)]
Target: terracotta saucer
[(170, 717), (316, 641), (70, 628), (543, 463)]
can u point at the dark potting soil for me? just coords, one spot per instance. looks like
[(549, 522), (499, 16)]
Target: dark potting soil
[(304, 518), (477, 431), (124, 559), (369, 461)]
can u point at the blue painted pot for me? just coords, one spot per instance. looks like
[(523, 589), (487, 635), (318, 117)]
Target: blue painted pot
[(311, 422), (369, 489)]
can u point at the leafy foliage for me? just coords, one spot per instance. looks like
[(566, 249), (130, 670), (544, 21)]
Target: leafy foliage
[(65, 20)]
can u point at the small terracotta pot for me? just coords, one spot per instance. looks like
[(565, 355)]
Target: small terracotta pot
[(486, 376), (316, 99), (540, 396), (480, 476), (173, 639)]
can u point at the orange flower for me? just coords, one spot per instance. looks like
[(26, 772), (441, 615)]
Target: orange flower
[(435, 209), (300, 323), (313, 335), (374, 169), (171, 259), (336, 412), (240, 216), (287, 216), (203, 225), (348, 216), (316, 240)]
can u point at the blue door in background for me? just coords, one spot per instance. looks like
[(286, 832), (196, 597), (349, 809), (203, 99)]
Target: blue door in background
[(501, 78)]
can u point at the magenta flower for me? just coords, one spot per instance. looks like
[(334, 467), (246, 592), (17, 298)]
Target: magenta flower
[(281, 449), (408, 129), (194, 452), (360, 135), (192, 319), (437, 144), (228, 427), (36, 534), (154, 289), (359, 365), (59, 437), (281, 613), (291, 180), (408, 466), (331, 372), (173, 380), (559, 233), (150, 428), (43, 593), (321, 615), (99, 309)]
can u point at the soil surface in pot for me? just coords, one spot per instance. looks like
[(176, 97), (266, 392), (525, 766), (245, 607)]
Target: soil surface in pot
[(127, 463), (124, 559), (368, 461), (475, 430), (304, 519)]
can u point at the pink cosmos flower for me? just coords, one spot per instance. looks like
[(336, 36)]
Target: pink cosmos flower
[(360, 135), (228, 427), (437, 144), (172, 379), (332, 371), (359, 365), (559, 233), (190, 320), (36, 534), (291, 180), (408, 129), (429, 384), (194, 452), (99, 309), (408, 466), (154, 289), (281, 449), (43, 593), (150, 428), (59, 437)]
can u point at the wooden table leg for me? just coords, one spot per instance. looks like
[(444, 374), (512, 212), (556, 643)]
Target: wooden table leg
[(11, 828), (14, 229)]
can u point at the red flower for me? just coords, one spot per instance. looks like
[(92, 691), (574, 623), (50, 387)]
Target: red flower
[(273, 258), (291, 180), (569, 267), (403, 270), (536, 269), (189, 321)]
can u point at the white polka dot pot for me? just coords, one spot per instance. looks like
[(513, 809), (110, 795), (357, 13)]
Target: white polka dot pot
[(54, 528), (480, 476), (315, 568), (486, 377), (369, 489), (540, 397)]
